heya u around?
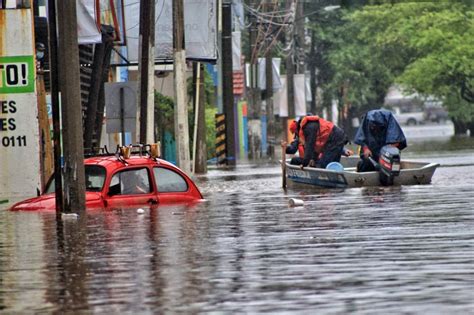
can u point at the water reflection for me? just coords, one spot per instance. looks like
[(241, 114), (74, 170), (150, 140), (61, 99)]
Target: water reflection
[(67, 265), (402, 249)]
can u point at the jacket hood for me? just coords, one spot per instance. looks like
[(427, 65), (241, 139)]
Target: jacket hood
[(389, 131)]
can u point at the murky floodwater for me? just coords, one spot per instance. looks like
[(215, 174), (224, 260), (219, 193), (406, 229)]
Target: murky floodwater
[(381, 250)]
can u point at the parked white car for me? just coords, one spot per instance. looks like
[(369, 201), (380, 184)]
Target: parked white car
[(409, 115)]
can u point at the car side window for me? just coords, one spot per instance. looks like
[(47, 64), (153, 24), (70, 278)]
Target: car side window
[(130, 182), (169, 181)]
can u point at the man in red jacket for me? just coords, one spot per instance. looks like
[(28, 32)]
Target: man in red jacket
[(318, 141)]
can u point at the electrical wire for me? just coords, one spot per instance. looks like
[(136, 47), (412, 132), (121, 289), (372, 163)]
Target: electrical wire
[(286, 24), (268, 31)]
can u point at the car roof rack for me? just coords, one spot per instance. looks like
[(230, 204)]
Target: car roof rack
[(125, 152), (146, 150), (97, 151)]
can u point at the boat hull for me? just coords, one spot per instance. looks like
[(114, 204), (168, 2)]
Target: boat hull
[(411, 173)]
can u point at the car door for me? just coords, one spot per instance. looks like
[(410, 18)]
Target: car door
[(171, 186), (130, 187)]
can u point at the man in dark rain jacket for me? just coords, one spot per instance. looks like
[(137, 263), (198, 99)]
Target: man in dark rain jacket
[(378, 128), (318, 141)]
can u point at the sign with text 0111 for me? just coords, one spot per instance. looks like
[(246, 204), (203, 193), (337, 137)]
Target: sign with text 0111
[(20, 172)]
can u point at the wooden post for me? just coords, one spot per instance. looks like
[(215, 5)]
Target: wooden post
[(73, 148), (283, 166), (47, 161)]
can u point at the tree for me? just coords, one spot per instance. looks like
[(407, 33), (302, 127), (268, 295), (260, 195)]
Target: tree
[(427, 47)]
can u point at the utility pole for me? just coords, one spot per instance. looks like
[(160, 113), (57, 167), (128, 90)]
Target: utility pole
[(269, 105), (300, 43), (73, 149), (252, 74), (269, 98), (180, 110), (290, 72), (199, 139), (220, 106), (254, 104), (146, 71), (312, 70), (227, 84), (54, 79)]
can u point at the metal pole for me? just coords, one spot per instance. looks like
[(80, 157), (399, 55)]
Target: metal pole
[(196, 112), (53, 64), (122, 115), (94, 91)]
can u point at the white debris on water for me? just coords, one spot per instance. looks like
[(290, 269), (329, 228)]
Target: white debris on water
[(69, 216), (140, 211), (293, 202)]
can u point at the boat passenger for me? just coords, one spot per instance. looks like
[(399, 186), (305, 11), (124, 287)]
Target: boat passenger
[(295, 146), (378, 128), (325, 142)]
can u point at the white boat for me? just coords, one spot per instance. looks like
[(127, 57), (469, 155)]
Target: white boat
[(411, 173)]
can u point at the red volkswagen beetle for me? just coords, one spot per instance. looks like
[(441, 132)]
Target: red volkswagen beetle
[(125, 180)]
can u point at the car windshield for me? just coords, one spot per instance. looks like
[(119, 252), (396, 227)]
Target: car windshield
[(95, 178)]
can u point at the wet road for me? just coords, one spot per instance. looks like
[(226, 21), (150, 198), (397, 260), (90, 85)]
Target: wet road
[(400, 250)]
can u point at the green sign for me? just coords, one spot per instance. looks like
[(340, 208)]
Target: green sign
[(17, 75)]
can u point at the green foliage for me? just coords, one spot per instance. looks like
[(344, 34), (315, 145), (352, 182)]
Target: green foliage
[(211, 131), (164, 114), (424, 46), (458, 108), (210, 111)]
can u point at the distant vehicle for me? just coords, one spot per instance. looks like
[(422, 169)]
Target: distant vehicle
[(125, 179), (435, 112), (409, 115)]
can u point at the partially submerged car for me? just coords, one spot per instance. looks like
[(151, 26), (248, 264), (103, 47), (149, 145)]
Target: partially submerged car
[(127, 178)]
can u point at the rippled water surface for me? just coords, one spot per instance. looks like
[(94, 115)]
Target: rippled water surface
[(381, 250)]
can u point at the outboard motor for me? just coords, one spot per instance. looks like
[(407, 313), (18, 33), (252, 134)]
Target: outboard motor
[(389, 162)]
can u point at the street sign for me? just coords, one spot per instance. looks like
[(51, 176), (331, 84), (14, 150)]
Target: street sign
[(121, 106), (19, 130)]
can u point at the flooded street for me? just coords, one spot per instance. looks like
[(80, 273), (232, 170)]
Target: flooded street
[(394, 250)]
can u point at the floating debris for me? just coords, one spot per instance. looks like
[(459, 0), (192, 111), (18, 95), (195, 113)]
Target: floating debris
[(293, 202), (69, 216)]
